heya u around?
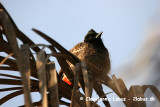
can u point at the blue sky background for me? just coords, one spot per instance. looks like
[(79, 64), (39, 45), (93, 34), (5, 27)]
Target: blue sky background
[(123, 23)]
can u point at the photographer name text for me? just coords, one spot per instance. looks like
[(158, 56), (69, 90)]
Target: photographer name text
[(118, 99)]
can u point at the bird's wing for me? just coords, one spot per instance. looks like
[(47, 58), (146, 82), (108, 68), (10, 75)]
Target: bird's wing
[(76, 50)]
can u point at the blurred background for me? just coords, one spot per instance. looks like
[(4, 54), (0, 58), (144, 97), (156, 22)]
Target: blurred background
[(131, 32)]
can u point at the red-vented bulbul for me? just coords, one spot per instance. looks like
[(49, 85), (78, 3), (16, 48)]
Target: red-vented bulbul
[(93, 52)]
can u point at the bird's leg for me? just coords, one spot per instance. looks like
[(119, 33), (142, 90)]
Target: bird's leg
[(99, 90)]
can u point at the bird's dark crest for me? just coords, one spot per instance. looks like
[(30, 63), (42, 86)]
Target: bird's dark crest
[(94, 38), (90, 35)]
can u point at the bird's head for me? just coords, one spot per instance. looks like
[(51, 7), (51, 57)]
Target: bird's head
[(94, 38)]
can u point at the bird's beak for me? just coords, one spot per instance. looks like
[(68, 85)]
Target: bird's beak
[(99, 35)]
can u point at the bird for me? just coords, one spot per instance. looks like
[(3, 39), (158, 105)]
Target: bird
[(93, 52)]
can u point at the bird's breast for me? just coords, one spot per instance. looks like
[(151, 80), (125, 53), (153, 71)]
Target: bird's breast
[(96, 57)]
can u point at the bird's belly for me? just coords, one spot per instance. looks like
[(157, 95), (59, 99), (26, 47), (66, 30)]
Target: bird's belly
[(98, 62)]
